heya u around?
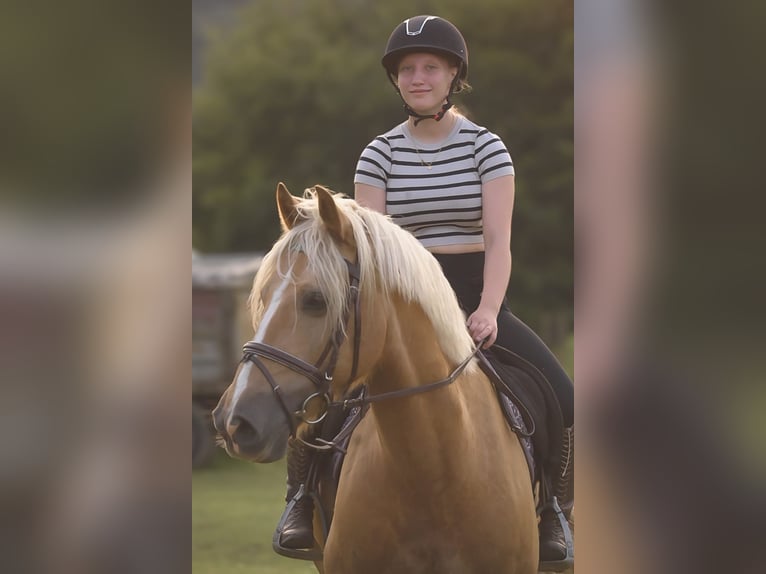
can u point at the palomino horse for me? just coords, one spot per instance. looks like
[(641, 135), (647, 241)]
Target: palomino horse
[(433, 481)]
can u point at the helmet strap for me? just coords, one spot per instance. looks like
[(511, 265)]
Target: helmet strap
[(437, 116)]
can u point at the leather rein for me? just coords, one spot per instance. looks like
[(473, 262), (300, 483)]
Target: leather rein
[(322, 375)]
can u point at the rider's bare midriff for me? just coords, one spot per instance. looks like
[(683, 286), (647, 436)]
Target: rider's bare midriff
[(456, 249)]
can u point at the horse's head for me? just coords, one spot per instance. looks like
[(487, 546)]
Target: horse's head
[(307, 312)]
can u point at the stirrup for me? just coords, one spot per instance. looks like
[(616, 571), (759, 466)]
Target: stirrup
[(312, 554), (568, 561)]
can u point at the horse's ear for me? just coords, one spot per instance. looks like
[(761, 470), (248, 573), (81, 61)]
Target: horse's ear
[(287, 207), (337, 223)]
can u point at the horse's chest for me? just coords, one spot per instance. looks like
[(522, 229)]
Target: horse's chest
[(404, 556), (392, 520), (415, 545)]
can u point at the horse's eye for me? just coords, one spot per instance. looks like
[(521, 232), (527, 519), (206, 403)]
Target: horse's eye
[(314, 303)]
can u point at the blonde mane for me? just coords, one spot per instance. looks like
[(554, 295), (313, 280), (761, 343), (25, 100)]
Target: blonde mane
[(391, 261)]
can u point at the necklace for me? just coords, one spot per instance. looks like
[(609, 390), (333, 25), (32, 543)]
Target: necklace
[(428, 164)]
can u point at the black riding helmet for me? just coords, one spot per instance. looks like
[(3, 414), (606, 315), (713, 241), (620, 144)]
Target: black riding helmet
[(426, 34)]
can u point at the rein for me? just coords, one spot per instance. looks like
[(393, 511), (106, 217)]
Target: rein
[(401, 393)]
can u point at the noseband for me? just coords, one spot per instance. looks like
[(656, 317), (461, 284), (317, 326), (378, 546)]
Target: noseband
[(321, 373)]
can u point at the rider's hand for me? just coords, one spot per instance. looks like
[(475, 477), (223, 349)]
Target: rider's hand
[(482, 324)]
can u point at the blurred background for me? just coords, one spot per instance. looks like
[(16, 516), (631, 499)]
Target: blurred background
[(669, 362), (292, 91), (95, 228)]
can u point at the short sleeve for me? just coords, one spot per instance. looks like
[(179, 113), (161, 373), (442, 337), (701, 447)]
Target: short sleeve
[(492, 157), (374, 164)]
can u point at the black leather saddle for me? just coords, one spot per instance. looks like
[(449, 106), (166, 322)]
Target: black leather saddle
[(521, 383)]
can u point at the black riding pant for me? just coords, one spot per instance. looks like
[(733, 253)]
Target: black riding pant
[(465, 272)]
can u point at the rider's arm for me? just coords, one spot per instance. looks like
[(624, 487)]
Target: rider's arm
[(371, 197), (497, 210)]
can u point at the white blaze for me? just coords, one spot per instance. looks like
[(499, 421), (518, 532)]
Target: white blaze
[(244, 372)]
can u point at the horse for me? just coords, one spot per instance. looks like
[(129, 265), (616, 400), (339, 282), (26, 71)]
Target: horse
[(434, 479)]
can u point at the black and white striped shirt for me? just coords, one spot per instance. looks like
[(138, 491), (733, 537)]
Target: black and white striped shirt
[(434, 191)]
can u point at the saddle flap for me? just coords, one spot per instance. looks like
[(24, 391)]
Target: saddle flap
[(527, 387)]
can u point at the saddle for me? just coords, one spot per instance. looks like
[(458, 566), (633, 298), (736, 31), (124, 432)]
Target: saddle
[(527, 401)]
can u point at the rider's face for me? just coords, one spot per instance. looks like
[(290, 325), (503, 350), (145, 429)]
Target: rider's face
[(424, 81)]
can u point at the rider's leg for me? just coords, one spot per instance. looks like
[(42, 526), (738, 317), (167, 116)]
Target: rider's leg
[(298, 531), (518, 337), (552, 539)]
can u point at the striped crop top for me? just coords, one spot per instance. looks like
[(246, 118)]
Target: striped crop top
[(434, 191)]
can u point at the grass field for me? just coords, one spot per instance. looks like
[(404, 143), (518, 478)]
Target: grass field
[(235, 507)]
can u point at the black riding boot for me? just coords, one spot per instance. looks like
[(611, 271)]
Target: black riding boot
[(297, 531), (555, 554)]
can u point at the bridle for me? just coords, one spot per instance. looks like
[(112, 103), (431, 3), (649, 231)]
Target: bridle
[(322, 375)]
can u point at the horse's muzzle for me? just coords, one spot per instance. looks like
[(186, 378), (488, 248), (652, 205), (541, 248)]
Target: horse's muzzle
[(242, 438)]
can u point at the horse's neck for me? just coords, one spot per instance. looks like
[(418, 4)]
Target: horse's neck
[(417, 426)]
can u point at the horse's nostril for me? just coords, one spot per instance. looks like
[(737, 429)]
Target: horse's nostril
[(244, 432)]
